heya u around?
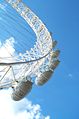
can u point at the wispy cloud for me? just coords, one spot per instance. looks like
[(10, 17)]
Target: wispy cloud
[(10, 109), (70, 75), (3, 6)]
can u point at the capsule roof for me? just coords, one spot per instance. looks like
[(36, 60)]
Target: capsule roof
[(55, 54), (43, 78), (54, 43)]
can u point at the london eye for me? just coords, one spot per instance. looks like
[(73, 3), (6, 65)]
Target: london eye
[(35, 66)]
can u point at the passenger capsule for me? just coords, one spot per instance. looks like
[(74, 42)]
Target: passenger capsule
[(23, 88), (43, 78), (54, 64), (54, 43), (55, 54)]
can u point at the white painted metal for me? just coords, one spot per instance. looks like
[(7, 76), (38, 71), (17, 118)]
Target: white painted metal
[(40, 55)]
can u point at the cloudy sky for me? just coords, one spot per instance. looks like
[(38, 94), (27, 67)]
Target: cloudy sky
[(59, 98)]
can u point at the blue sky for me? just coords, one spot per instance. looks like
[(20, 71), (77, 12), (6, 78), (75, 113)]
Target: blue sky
[(60, 96)]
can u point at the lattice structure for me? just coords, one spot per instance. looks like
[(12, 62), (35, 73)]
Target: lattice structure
[(39, 59)]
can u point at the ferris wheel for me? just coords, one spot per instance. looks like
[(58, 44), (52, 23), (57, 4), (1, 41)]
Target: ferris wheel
[(35, 66)]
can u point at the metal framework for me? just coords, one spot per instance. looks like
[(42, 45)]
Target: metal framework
[(35, 61)]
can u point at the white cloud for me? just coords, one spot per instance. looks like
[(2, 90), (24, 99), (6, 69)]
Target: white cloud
[(7, 52), (7, 48), (70, 75), (23, 109), (10, 109), (48, 117)]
